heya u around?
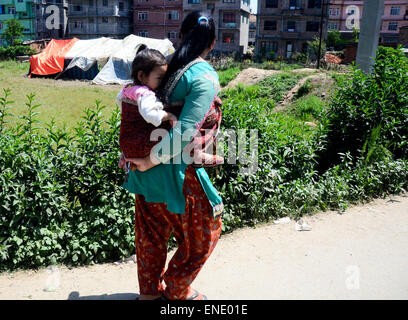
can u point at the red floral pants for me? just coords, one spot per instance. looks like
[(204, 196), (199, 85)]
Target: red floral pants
[(196, 232)]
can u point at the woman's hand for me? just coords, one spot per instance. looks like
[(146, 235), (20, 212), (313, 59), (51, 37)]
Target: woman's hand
[(142, 164)]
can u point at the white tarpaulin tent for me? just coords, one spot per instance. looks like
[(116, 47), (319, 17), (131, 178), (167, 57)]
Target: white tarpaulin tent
[(118, 68), (85, 53)]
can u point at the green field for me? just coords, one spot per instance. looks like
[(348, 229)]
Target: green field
[(62, 100)]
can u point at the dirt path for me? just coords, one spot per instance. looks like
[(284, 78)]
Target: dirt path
[(361, 254)]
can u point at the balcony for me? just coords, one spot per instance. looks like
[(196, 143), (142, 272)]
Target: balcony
[(229, 25), (290, 35), (102, 29), (100, 12), (293, 11)]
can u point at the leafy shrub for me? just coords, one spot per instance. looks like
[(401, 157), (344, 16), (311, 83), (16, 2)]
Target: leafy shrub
[(304, 89), (227, 75), (12, 52), (366, 103)]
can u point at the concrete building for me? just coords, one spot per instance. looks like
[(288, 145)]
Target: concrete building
[(403, 36), (231, 19), (252, 30), (285, 26), (45, 25), (344, 15), (99, 18), (158, 19), (22, 10)]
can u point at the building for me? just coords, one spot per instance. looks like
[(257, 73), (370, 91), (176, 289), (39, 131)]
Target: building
[(285, 26), (252, 30), (231, 19), (46, 27), (403, 36), (344, 15), (158, 19), (21, 10), (99, 18)]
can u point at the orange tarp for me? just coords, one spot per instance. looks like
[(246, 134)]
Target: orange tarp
[(51, 60)]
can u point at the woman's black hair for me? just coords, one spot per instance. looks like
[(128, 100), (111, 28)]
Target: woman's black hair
[(146, 60), (198, 33)]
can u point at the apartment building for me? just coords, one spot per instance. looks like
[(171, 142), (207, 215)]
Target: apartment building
[(231, 19), (21, 10), (51, 19), (285, 26), (88, 19), (158, 19), (252, 29), (344, 15)]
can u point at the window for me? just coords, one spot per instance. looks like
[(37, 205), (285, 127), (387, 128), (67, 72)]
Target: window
[(271, 4), (210, 6), (242, 19), (173, 15), (121, 6), (105, 3), (395, 11), (314, 4), (269, 25), (172, 35), (252, 34), (228, 38), (228, 17), (333, 26), (392, 26), (11, 10), (269, 46), (20, 1), (77, 8), (91, 20), (228, 1), (142, 15), (312, 26), (291, 26), (2, 9), (334, 12), (143, 33), (26, 30), (105, 20), (194, 1), (91, 3), (78, 24), (1, 26)]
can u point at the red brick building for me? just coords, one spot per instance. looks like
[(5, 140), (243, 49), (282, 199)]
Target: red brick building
[(158, 19)]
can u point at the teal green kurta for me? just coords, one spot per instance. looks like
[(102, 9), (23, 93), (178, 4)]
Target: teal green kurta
[(164, 183)]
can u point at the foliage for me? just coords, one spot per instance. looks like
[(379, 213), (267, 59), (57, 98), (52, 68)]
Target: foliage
[(333, 38), (227, 75), (313, 49), (12, 52), (369, 111), (13, 31)]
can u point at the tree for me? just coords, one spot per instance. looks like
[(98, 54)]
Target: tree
[(313, 49), (13, 31), (333, 38)]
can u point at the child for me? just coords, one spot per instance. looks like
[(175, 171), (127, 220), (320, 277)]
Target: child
[(142, 111)]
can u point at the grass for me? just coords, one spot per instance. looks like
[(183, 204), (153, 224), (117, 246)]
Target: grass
[(62, 100), (225, 76)]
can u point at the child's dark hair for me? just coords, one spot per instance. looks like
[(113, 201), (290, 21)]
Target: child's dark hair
[(146, 60)]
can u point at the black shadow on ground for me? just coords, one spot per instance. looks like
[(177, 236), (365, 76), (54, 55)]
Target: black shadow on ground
[(75, 295)]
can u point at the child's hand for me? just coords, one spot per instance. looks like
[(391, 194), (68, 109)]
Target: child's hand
[(142, 164), (121, 163), (170, 117)]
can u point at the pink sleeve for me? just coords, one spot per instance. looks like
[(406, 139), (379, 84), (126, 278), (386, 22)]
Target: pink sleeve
[(135, 92)]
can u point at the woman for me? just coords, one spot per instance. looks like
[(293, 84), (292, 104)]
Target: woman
[(171, 194)]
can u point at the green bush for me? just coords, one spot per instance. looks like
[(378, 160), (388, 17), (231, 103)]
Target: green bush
[(7, 53), (369, 111)]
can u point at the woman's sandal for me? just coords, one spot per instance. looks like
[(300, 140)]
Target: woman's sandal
[(195, 295)]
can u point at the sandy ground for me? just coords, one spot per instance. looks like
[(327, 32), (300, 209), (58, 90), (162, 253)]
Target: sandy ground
[(360, 254)]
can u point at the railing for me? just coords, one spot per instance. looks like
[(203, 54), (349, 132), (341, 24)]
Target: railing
[(92, 12)]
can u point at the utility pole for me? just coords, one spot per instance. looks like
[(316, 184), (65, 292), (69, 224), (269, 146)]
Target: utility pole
[(321, 34), (369, 34)]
